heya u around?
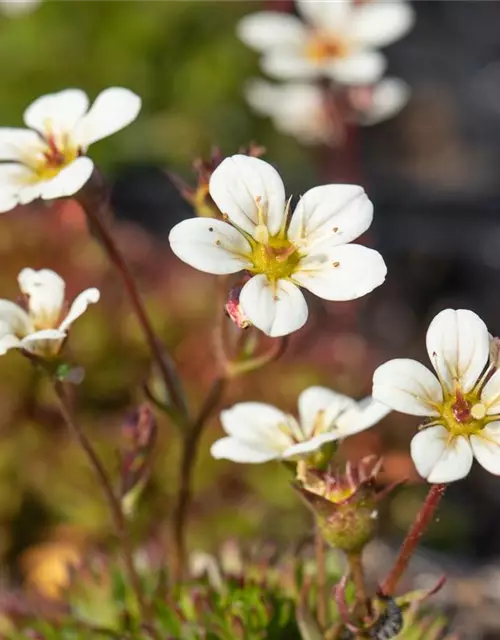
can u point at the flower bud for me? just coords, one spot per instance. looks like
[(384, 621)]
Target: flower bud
[(345, 505), (233, 308)]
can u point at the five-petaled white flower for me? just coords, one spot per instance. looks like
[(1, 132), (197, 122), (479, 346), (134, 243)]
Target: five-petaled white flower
[(462, 403), (338, 38), (48, 159), (308, 249), (41, 322), (300, 109), (259, 432)]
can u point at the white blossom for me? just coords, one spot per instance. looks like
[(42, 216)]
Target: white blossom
[(47, 160), (258, 432), (41, 324), (281, 252), (18, 7), (461, 401), (300, 109), (336, 38)]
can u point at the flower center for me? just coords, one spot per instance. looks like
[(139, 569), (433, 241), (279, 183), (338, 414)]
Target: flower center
[(463, 414), (277, 258), (56, 156), (322, 48)]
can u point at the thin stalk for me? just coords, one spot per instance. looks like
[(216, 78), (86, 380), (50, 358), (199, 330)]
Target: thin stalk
[(188, 463), (107, 488), (321, 587), (422, 521), (93, 199), (358, 578)]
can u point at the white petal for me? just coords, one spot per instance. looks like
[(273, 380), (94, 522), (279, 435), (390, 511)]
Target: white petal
[(320, 400), (264, 97), (486, 447), (407, 386), (69, 180), (19, 144), (277, 309), (241, 185), (290, 64), (79, 306), (365, 414), (238, 451), (312, 445), (379, 23), (57, 113), (45, 290), (113, 110), (439, 458), (13, 176), (338, 213), (389, 96), (39, 336), (363, 67), (267, 29), (8, 342), (342, 272), (210, 245), (458, 347), (490, 394), (333, 16), (259, 424), (13, 319)]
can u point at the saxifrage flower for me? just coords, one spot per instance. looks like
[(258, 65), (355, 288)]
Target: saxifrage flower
[(41, 324), (461, 402), (337, 39), (47, 160), (301, 110), (308, 249), (259, 432)]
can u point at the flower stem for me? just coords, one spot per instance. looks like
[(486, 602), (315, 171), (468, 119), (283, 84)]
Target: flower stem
[(94, 201), (107, 488), (321, 595), (358, 578), (422, 521)]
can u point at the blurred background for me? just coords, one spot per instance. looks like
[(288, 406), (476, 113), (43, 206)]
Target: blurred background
[(432, 172)]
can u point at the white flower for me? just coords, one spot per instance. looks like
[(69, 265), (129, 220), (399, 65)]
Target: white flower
[(338, 38), (18, 7), (461, 402), (308, 249), (259, 432), (42, 326), (48, 160), (300, 109)]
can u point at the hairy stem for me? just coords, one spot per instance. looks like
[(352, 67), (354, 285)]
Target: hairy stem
[(94, 201), (322, 602), (107, 488), (422, 521), (188, 464), (358, 578)]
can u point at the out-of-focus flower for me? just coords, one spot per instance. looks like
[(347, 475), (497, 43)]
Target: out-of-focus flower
[(282, 252), (18, 7), (300, 109), (259, 432), (338, 39), (41, 325), (462, 403), (48, 159)]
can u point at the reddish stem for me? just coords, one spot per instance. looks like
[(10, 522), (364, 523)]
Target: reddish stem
[(422, 521)]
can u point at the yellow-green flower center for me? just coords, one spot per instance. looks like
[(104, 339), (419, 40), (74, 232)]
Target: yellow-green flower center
[(463, 414), (275, 257)]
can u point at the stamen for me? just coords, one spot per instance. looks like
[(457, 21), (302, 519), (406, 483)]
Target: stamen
[(478, 411)]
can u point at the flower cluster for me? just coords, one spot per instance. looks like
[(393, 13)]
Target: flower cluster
[(334, 45)]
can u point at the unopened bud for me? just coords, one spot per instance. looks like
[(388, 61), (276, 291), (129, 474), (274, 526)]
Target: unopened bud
[(233, 308)]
